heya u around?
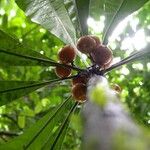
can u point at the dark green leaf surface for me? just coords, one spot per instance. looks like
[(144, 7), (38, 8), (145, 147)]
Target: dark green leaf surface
[(52, 15), (58, 142), (62, 131), (11, 90), (35, 136), (55, 142), (83, 13), (13, 53), (114, 11)]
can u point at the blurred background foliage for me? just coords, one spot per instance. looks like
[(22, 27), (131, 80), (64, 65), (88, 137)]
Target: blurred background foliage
[(132, 35)]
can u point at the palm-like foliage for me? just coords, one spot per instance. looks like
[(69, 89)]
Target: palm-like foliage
[(67, 21)]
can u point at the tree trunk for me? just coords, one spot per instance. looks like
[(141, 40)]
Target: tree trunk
[(107, 125)]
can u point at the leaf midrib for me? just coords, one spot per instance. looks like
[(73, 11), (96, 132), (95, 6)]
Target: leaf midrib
[(37, 84), (105, 39), (40, 60)]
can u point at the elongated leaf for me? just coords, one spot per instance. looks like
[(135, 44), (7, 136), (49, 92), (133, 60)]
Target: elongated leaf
[(72, 12), (35, 136), (51, 139), (11, 90), (145, 53), (61, 137), (56, 140), (83, 13), (52, 15), (13, 53), (114, 11)]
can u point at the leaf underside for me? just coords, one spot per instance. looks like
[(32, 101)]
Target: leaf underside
[(114, 12), (52, 15), (82, 7)]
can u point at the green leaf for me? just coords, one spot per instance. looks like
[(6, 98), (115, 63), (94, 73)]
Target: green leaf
[(59, 141), (11, 90), (35, 136), (114, 11), (83, 13), (55, 142), (52, 15), (13, 53), (72, 12), (144, 53), (5, 21), (21, 121)]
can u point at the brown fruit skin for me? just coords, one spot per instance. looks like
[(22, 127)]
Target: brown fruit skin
[(117, 88), (85, 44), (79, 79), (79, 92), (66, 54), (62, 72), (107, 65), (102, 56), (97, 40)]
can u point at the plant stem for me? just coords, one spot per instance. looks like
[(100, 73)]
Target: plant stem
[(105, 124)]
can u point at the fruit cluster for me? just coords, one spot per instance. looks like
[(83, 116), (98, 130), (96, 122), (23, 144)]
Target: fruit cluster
[(99, 55), (66, 55)]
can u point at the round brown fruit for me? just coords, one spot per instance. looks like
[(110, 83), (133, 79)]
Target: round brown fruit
[(79, 92), (66, 54), (117, 88), (101, 55), (79, 79), (107, 65), (86, 44), (62, 72), (98, 42)]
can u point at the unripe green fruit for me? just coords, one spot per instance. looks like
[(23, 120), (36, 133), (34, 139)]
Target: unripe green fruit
[(79, 92), (66, 54)]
